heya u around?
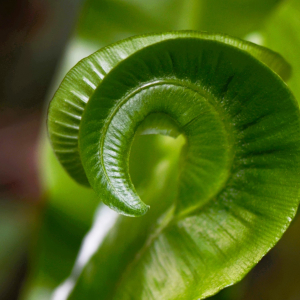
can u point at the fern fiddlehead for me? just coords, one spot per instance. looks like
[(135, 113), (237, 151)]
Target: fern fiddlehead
[(238, 184)]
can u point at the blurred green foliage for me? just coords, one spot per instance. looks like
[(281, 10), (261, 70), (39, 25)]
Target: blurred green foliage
[(65, 220), (281, 33), (16, 222), (107, 21)]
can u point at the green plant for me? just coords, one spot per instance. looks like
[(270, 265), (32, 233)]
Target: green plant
[(227, 190)]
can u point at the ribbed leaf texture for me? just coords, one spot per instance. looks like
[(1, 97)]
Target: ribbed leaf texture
[(215, 210)]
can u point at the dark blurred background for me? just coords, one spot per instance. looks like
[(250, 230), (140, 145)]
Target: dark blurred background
[(42, 216)]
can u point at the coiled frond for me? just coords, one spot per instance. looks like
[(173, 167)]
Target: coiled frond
[(238, 185)]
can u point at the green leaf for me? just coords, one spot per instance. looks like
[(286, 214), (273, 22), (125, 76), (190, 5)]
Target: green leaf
[(232, 194), (16, 222), (282, 33), (106, 21), (78, 86), (236, 18)]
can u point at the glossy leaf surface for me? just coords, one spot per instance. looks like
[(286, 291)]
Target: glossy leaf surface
[(235, 188), (78, 86)]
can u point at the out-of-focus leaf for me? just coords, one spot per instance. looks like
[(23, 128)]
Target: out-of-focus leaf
[(16, 220), (282, 33), (234, 17), (66, 219), (106, 21)]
